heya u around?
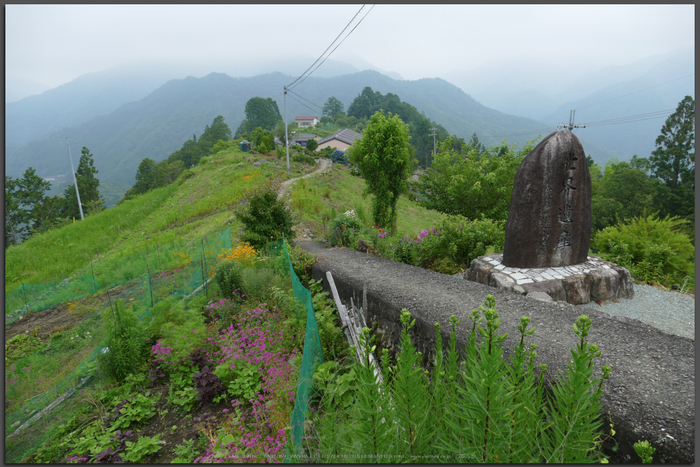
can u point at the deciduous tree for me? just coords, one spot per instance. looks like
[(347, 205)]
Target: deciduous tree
[(470, 184), (383, 158), (259, 112), (333, 108)]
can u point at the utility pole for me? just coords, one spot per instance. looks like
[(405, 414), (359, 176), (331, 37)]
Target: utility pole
[(80, 206), (571, 126), (286, 130), (433, 135)]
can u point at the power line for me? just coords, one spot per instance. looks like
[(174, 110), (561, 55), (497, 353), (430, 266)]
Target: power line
[(331, 45), (302, 103), (632, 118), (337, 45), (316, 105)]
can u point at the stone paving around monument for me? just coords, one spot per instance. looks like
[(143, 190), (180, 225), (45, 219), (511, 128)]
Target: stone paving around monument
[(529, 275), (592, 280)]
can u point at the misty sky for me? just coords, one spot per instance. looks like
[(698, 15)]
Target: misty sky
[(54, 44)]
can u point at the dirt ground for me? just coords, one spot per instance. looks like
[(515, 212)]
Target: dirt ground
[(56, 318)]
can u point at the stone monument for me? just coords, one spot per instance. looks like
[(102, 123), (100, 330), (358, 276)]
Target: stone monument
[(549, 220), (548, 232)]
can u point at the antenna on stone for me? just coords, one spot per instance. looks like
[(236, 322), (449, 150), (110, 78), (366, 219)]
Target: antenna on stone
[(571, 126)]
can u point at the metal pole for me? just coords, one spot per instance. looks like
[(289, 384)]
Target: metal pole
[(286, 130), (150, 287), (77, 193), (433, 135)]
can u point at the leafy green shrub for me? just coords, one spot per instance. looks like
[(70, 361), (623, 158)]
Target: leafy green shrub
[(228, 276), (302, 261), (303, 158), (185, 452), (448, 248), (462, 240), (344, 229), (265, 218), (333, 341), (143, 447), (482, 409), (257, 281), (126, 348), (653, 249)]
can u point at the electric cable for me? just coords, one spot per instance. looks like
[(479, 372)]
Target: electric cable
[(331, 45), (302, 103), (312, 103), (324, 60)]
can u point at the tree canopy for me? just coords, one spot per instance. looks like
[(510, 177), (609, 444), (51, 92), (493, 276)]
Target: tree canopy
[(673, 160), (473, 182), (333, 108), (27, 208), (623, 192), (420, 127), (259, 112), (383, 158), (88, 185)]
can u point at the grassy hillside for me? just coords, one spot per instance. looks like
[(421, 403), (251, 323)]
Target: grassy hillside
[(199, 202)]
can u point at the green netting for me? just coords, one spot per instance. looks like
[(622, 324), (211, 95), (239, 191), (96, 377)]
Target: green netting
[(140, 289), (312, 356), (102, 275)]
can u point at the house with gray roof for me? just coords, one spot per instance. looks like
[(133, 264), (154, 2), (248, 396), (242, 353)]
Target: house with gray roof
[(341, 140)]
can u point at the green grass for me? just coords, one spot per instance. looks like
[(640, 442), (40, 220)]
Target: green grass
[(201, 201), (317, 200)]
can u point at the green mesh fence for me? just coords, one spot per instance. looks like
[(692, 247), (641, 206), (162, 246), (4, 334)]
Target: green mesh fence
[(30, 422), (311, 357), (101, 275)]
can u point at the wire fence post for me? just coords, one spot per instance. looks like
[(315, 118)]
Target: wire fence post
[(94, 281), (204, 274), (150, 288), (160, 267), (25, 298)]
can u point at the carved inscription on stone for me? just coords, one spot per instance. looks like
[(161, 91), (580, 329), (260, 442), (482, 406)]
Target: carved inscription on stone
[(549, 221)]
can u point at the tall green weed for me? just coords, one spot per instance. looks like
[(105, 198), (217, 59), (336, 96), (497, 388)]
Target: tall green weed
[(126, 348), (481, 409)]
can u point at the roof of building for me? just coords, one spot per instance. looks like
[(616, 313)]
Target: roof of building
[(304, 118), (344, 136), (302, 137)]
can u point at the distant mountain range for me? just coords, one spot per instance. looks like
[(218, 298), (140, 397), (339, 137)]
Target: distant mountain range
[(158, 124), (547, 92), (129, 113)]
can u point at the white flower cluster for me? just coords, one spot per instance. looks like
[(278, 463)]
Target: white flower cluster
[(78, 336), (350, 213)]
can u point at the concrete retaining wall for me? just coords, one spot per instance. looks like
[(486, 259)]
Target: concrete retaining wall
[(649, 396)]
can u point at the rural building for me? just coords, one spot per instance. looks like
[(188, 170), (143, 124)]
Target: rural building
[(305, 121), (302, 139), (341, 140)]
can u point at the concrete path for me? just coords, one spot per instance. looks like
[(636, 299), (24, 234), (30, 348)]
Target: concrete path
[(651, 391)]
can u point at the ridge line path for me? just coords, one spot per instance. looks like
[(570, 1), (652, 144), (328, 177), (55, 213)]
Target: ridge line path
[(286, 185)]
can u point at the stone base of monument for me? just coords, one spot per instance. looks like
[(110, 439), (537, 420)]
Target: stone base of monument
[(577, 284)]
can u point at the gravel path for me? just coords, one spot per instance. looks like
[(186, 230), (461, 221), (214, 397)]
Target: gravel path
[(671, 312), (323, 164)]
